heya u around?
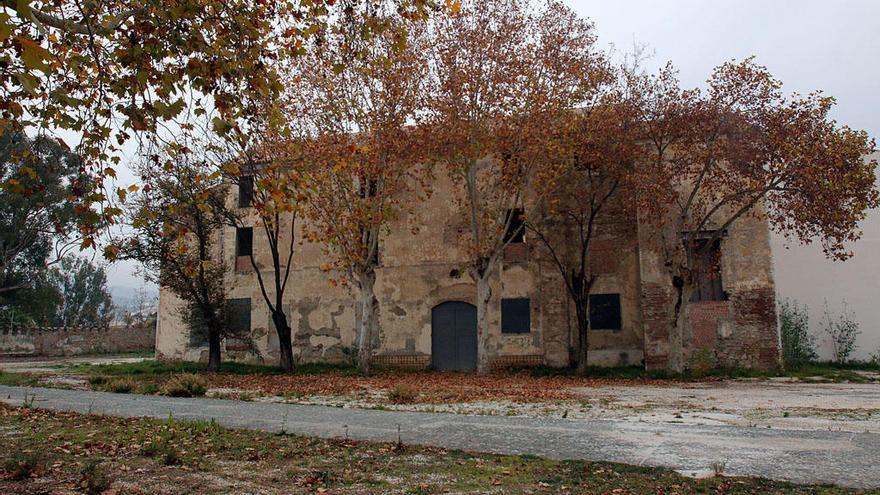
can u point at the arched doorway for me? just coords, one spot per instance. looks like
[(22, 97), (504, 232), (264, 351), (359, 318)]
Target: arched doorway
[(454, 337)]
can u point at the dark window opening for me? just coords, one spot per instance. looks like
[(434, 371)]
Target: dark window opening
[(245, 191), (244, 241), (238, 316), (605, 312), (513, 219), (516, 316), (707, 271), (198, 328)]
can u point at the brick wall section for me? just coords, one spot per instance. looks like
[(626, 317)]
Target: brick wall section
[(421, 361), (753, 341), (704, 318), (51, 341), (656, 313), (402, 361)]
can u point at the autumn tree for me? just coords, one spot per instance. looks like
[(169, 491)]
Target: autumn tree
[(176, 218), (505, 72), (363, 95), (85, 299), (39, 181), (271, 183), (742, 148), (106, 71), (591, 191)]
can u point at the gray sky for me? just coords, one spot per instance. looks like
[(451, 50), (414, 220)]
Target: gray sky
[(808, 44), (832, 45)]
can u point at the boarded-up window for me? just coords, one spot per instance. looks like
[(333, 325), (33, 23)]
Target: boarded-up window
[(244, 241), (245, 191), (516, 316), (707, 272), (514, 220), (238, 316), (605, 312)]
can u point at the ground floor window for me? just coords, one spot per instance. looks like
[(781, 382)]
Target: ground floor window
[(238, 316), (516, 315), (605, 312)]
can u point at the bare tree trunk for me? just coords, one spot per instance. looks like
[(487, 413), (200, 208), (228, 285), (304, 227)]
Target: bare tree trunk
[(213, 347), (582, 310), (678, 323), (215, 326), (367, 322), (484, 296), (282, 327)]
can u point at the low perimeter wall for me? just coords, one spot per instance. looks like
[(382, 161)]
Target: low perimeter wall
[(52, 341)]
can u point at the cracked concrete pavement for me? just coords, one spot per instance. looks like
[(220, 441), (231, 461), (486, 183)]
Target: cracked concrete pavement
[(803, 456)]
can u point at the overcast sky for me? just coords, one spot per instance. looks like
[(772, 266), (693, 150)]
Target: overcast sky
[(832, 45)]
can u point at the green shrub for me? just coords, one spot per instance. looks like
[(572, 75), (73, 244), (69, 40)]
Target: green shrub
[(97, 380), (798, 344), (122, 385), (22, 465), (148, 388), (185, 385), (163, 451), (843, 331), (702, 363), (94, 479)]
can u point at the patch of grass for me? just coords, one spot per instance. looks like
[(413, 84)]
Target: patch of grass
[(98, 380), (185, 385), (22, 465), (94, 479), (166, 454), (148, 388), (833, 371), (203, 457), (159, 368), (18, 379), (120, 385)]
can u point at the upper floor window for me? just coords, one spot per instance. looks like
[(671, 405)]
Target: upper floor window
[(244, 241), (515, 222), (707, 271), (245, 191)]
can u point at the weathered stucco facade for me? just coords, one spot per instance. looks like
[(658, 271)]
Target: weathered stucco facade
[(423, 265)]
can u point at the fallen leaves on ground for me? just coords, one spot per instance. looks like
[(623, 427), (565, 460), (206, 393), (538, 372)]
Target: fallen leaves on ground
[(430, 387)]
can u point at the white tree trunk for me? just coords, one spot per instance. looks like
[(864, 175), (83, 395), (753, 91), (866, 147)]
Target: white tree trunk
[(677, 360), (367, 320), (484, 296)]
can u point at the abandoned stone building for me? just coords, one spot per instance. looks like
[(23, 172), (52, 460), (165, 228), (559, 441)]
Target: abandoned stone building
[(426, 317)]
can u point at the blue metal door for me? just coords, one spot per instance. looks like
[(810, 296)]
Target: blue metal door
[(454, 337)]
